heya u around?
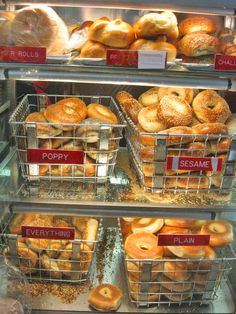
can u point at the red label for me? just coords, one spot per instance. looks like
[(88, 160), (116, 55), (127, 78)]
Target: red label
[(194, 163), (22, 54), (55, 156), (127, 58), (48, 233), (223, 62), (183, 239)]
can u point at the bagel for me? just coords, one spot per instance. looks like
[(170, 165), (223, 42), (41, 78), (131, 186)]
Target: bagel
[(151, 25), (198, 44), (143, 245), (174, 111), (51, 266), (174, 286), (176, 297), (210, 107), (220, 231), (193, 181), (186, 94), (66, 111), (152, 295), (101, 112), (44, 129), (145, 139), (136, 270), (90, 130), (149, 119), (116, 34), (181, 223), (105, 297), (150, 97), (177, 135), (176, 271), (197, 24), (208, 129), (222, 146), (147, 224), (28, 258), (183, 251)]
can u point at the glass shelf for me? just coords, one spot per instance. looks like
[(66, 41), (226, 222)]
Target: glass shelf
[(121, 196)]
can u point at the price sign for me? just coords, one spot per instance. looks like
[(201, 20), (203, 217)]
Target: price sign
[(183, 239), (55, 156), (22, 54), (194, 163), (225, 63), (48, 233)]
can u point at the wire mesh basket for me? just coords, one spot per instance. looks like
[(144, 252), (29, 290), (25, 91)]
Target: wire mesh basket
[(176, 281), (157, 159), (45, 259), (98, 144)]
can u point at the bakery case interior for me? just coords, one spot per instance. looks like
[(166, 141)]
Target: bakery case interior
[(117, 183)]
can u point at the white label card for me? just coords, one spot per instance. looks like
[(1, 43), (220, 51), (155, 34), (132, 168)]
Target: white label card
[(151, 59)]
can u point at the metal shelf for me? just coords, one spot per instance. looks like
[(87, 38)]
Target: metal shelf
[(196, 6), (122, 196), (114, 75), (108, 267)]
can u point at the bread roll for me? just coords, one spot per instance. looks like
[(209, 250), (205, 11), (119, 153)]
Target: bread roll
[(117, 33), (92, 49), (145, 44), (40, 26), (153, 24)]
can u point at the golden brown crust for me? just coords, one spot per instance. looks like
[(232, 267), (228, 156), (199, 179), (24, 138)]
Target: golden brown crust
[(29, 258), (196, 24), (149, 120), (221, 146), (208, 129), (16, 223), (174, 111), (153, 24), (145, 44), (101, 112), (50, 265), (147, 224), (187, 252), (68, 110), (209, 106), (198, 44), (105, 297), (117, 33), (143, 245), (176, 271), (175, 133), (186, 94), (150, 97), (220, 231), (92, 49), (40, 26), (44, 129), (131, 106)]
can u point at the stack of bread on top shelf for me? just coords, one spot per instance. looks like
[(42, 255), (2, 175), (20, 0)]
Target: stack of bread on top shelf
[(177, 273), (50, 258), (195, 38), (192, 122)]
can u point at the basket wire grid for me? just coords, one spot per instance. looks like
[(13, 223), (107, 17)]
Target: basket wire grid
[(150, 160), (100, 146), (189, 281), (61, 261)]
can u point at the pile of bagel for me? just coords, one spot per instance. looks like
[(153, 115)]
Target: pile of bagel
[(196, 123), (53, 259), (70, 124), (177, 273)]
